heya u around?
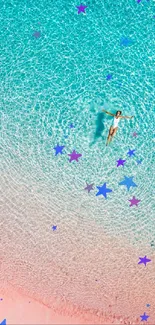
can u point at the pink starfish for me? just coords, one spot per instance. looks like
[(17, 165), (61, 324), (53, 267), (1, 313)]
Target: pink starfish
[(134, 201), (135, 134)]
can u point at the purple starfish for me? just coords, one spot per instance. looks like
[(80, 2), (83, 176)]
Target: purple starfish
[(74, 156), (109, 76), (58, 149), (81, 8), (144, 260), (138, 1), (144, 317), (37, 34), (135, 134), (120, 162), (89, 187), (131, 152), (134, 201)]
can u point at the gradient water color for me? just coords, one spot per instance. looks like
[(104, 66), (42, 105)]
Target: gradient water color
[(55, 65)]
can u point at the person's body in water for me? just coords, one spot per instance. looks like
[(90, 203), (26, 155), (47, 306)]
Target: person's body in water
[(113, 129)]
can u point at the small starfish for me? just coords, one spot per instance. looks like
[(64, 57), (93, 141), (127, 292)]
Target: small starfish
[(37, 34), (131, 152), (125, 41), (103, 190), (74, 156), (144, 260), (3, 322), (120, 162), (89, 187), (128, 181), (139, 161), (109, 76), (54, 228), (81, 8), (135, 134), (71, 126), (134, 201), (58, 149), (144, 317)]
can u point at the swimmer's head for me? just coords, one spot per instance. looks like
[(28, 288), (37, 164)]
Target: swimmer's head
[(118, 113)]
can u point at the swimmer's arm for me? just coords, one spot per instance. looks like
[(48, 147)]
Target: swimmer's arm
[(126, 117), (103, 110)]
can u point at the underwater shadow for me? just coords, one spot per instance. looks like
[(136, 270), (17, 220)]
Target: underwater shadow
[(99, 127)]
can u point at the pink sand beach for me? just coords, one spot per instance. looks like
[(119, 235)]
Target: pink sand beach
[(19, 309), (78, 274), (116, 293)]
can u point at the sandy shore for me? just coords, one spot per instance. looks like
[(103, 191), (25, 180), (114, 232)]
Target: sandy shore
[(20, 309), (79, 274)]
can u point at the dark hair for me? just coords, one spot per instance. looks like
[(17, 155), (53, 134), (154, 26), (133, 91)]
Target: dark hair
[(119, 111)]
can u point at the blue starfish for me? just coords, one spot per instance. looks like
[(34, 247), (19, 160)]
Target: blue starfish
[(128, 181), (58, 149), (131, 152), (125, 41), (144, 317), (71, 126), (54, 228), (109, 76), (139, 161), (3, 322), (103, 190)]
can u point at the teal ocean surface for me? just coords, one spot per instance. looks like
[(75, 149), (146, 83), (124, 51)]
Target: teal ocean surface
[(54, 67)]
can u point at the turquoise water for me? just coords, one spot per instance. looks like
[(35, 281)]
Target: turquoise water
[(60, 78)]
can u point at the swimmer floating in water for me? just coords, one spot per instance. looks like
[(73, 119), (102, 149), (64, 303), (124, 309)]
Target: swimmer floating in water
[(114, 127)]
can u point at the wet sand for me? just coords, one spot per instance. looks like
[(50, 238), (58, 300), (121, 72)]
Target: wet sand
[(19, 309)]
